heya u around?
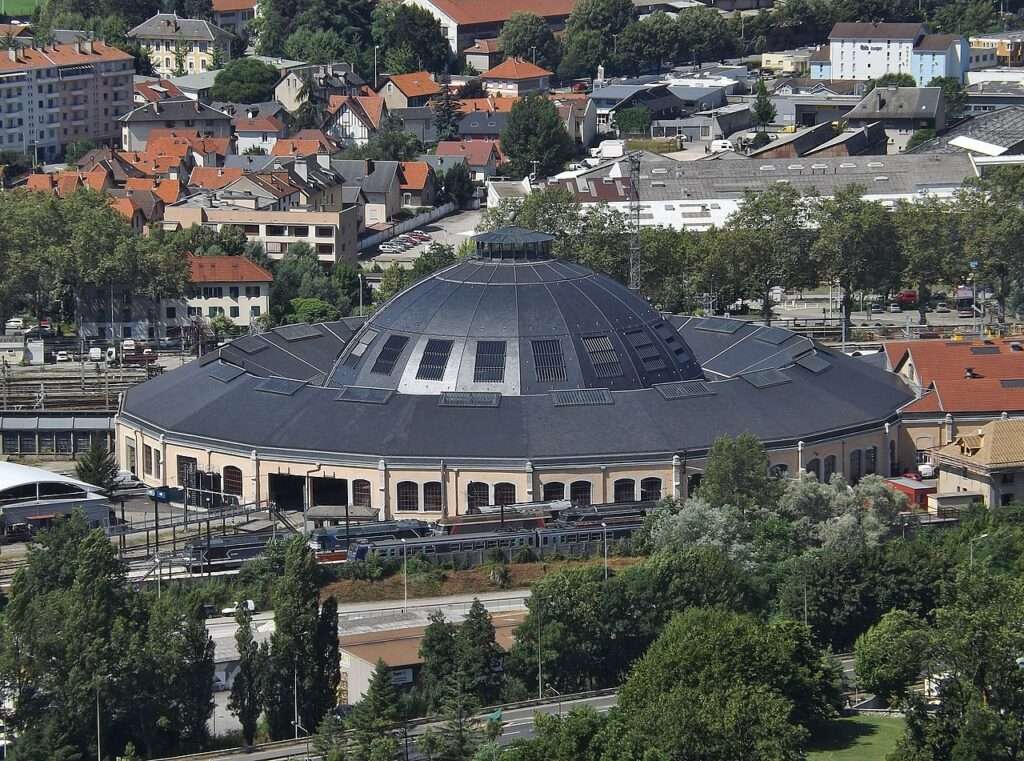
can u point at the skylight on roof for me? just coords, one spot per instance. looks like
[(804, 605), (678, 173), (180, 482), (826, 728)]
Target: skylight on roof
[(548, 360), (434, 360)]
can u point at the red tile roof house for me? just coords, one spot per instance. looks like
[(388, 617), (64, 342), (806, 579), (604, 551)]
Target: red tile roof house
[(465, 21), (354, 119), (232, 286), (483, 156), (409, 90), (253, 131), (419, 184), (961, 386), (514, 77)]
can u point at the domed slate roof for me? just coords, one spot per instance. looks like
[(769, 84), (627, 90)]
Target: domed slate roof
[(515, 326)]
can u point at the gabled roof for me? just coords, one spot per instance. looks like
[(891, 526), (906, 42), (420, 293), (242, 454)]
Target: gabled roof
[(899, 103), (304, 146), (489, 104), (476, 152), (515, 69), (174, 109), (938, 43), (213, 177), (170, 26), (858, 30), (157, 90), (226, 269), (466, 12), (167, 190), (120, 169), (415, 174), (997, 444), (257, 124), (369, 109), (90, 52), (484, 47), (415, 84), (126, 206)]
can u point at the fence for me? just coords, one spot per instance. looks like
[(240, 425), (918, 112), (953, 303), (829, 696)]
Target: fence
[(403, 227)]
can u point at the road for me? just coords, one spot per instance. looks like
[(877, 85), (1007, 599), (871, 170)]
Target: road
[(517, 725)]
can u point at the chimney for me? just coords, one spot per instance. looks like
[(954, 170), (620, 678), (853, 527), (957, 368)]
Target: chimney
[(76, 46), (12, 53), (87, 46)]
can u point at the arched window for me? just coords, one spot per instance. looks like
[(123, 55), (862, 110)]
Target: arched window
[(477, 495), (855, 466), (830, 468), (624, 490), (579, 492), (814, 467), (232, 483), (778, 471), (871, 460), (432, 496), (361, 493), (504, 494), (554, 490), (650, 489), (408, 496)]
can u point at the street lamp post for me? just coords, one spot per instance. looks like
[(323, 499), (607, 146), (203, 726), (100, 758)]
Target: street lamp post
[(970, 545), (360, 276), (604, 528), (405, 576), (375, 49)]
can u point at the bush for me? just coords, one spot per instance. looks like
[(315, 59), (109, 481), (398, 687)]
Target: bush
[(760, 140)]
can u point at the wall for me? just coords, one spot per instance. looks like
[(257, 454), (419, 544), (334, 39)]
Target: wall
[(869, 59)]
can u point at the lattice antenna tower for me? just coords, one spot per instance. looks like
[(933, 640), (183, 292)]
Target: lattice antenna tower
[(634, 212)]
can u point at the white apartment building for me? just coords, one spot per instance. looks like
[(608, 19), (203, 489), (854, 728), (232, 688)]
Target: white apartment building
[(868, 51), (228, 286)]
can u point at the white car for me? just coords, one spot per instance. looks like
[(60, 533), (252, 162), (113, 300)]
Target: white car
[(63, 356)]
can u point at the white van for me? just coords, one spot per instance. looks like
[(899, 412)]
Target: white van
[(128, 346), (717, 146), (95, 354)]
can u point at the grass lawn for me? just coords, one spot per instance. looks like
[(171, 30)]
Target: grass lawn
[(19, 7), (857, 738)]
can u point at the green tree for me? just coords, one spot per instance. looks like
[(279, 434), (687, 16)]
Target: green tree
[(705, 35), (478, 655), (447, 114), (526, 35), (893, 79), (929, 237), (635, 120), (375, 716), (457, 184), (74, 151), (331, 741), (245, 80), (222, 325), (318, 46), (576, 735), (436, 257), (438, 652), (856, 244), (313, 310), (462, 732), (396, 25), (535, 139), (954, 95), (391, 143), (737, 474), (888, 655), (246, 700), (772, 244), (585, 50), (394, 280), (919, 137), (764, 109), (98, 466)]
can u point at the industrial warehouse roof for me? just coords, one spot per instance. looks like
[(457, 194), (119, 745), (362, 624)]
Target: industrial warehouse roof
[(518, 361), (992, 134)]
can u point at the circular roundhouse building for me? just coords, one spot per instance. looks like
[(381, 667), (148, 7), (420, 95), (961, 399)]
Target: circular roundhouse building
[(508, 377)]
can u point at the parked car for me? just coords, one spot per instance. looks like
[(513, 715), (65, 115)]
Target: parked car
[(942, 307), (63, 356), (876, 309), (14, 324), (95, 354), (895, 306), (718, 146), (127, 480), (128, 346)]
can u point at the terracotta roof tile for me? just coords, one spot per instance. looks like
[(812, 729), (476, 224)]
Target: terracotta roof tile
[(149, 92), (258, 124), (227, 269), (213, 177), (126, 206), (60, 55), (515, 69), (492, 45), (415, 84), (415, 174), (227, 6), (490, 105), (477, 152), (167, 190)]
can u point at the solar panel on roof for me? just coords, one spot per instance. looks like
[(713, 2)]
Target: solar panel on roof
[(773, 335), (719, 325), (364, 394), (490, 362), (548, 359), (602, 356), (584, 397), (281, 386), (298, 332), (765, 378), (984, 350), (815, 363), (389, 354), (684, 389), (249, 344), (1012, 383), (434, 359), (469, 399), (226, 373)]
